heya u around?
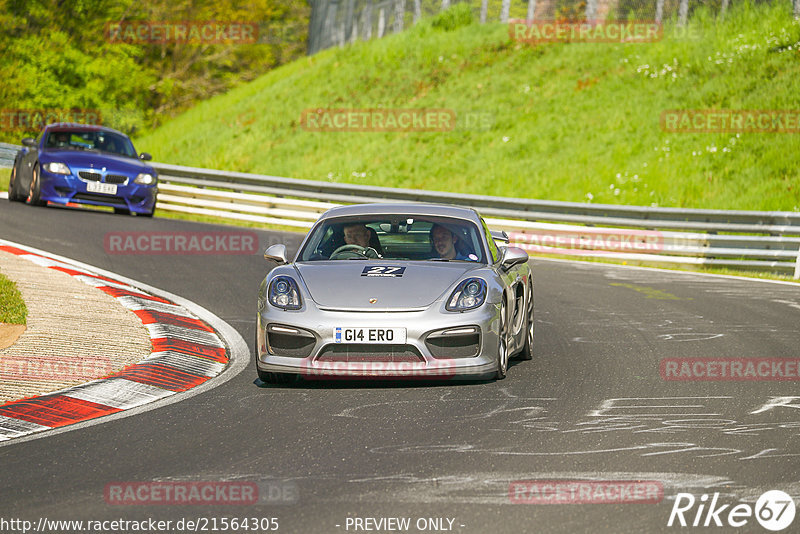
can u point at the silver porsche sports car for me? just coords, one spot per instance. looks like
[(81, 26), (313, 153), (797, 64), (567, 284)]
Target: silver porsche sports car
[(395, 291)]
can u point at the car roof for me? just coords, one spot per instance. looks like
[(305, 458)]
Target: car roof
[(72, 126), (403, 208)]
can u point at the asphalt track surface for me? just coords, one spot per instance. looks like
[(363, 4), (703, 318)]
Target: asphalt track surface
[(592, 404)]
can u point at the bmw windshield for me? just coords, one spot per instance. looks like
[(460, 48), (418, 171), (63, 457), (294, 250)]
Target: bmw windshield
[(99, 140)]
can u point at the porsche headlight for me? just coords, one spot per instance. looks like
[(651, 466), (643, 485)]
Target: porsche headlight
[(469, 294), (284, 294), (145, 179), (57, 168)]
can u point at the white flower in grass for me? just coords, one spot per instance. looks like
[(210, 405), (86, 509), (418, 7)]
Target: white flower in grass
[(506, 139)]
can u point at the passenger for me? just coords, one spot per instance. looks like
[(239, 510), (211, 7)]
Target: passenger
[(445, 243)]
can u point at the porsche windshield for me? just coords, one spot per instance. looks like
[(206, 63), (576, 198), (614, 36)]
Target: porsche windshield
[(395, 237), (90, 140)]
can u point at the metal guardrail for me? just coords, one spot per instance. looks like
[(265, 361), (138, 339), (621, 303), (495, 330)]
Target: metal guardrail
[(632, 233), (636, 234), (770, 222), (7, 153)]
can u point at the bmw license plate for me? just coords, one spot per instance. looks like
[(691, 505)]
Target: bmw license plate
[(98, 187), (369, 334)]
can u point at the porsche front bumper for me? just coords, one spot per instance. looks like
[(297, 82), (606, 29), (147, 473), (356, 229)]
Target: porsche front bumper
[(438, 344)]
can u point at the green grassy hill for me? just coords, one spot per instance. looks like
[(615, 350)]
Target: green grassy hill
[(569, 121)]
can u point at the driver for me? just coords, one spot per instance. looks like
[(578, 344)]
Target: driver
[(444, 242), (61, 139), (356, 234)]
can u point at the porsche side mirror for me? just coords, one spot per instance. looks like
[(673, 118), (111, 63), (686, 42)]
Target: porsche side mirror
[(513, 256), (29, 141), (276, 253), (500, 235), (145, 156)]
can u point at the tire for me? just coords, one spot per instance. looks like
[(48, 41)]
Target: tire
[(527, 350), (121, 211), (35, 191), (502, 344), (13, 196)]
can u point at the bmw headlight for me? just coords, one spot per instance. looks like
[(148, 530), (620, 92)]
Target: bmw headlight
[(469, 294), (57, 168), (145, 179), (283, 293)]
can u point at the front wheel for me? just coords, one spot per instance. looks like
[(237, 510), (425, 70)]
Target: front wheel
[(35, 191), (502, 344), (527, 350)]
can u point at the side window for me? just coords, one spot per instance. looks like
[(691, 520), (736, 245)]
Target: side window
[(490, 241)]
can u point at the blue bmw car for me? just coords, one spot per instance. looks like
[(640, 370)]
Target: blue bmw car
[(80, 164)]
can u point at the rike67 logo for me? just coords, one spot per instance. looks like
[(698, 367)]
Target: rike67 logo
[(774, 510)]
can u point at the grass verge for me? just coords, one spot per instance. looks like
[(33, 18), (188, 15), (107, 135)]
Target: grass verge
[(12, 307), (5, 174), (559, 121)]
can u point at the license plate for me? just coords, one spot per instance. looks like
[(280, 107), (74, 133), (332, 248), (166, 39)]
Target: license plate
[(369, 334), (98, 187)]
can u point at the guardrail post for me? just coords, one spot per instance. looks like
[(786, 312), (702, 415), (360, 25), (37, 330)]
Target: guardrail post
[(797, 266)]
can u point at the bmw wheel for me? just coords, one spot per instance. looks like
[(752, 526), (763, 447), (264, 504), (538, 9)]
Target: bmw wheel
[(35, 191)]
